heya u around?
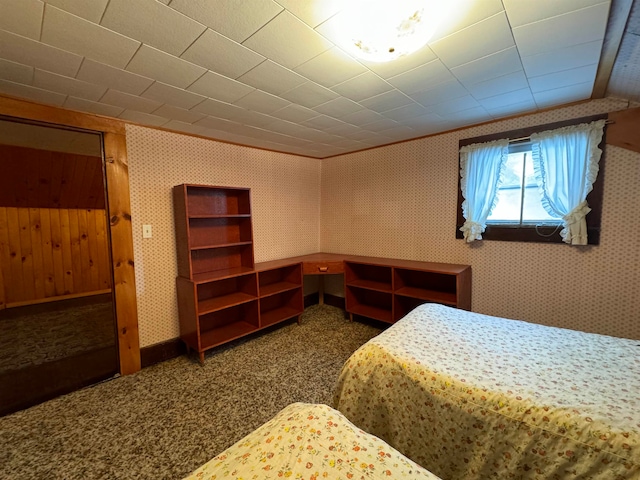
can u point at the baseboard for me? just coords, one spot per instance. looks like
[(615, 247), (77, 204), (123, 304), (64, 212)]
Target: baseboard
[(161, 352)]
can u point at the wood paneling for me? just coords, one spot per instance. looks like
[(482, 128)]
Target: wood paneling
[(36, 258), (44, 179), (623, 131), (117, 176)]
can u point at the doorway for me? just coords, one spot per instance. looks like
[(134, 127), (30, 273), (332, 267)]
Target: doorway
[(57, 321)]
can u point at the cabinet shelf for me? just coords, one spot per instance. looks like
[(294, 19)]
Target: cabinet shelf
[(275, 288), (371, 311), (217, 336), (448, 298), (220, 245), (371, 285), (224, 301), (276, 315), (220, 215)]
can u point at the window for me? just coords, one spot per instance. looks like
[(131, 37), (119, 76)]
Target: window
[(525, 189), (518, 200)]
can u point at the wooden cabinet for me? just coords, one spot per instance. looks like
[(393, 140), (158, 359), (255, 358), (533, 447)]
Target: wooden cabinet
[(222, 295), (388, 289)]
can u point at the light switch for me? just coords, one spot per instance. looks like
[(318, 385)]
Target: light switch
[(146, 231)]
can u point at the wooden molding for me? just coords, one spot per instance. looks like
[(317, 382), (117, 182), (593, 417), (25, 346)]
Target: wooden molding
[(119, 209), (624, 128), (124, 283)]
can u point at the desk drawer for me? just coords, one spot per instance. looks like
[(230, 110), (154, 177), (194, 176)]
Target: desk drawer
[(313, 268)]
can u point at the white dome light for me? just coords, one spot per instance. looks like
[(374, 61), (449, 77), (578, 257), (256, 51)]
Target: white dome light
[(383, 30)]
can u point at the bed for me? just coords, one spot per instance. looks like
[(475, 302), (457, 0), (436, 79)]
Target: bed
[(310, 441), (470, 396)]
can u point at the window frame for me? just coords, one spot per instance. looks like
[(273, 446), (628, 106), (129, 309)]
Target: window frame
[(533, 233)]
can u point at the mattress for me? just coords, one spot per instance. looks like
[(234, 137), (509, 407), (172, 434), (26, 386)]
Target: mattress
[(470, 396), (309, 441)]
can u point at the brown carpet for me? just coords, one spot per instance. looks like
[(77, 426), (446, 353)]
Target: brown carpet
[(167, 420)]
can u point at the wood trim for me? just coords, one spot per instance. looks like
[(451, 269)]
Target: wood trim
[(119, 207), (71, 296), (115, 152), (623, 131), (23, 109), (618, 17)]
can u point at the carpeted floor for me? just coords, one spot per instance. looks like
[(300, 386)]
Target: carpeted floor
[(167, 420)]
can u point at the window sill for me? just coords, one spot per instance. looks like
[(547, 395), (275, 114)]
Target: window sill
[(529, 233)]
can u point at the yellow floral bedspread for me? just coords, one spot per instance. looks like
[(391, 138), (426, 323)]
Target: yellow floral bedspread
[(312, 442), (471, 396)]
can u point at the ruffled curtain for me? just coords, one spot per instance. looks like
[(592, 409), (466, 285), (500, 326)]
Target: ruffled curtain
[(565, 163), (481, 169)]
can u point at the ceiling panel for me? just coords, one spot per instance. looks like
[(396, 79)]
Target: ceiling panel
[(271, 73)]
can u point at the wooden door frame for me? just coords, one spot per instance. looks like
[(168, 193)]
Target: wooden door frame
[(118, 210)]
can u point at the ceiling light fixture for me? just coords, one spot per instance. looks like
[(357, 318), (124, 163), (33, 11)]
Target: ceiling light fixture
[(383, 30)]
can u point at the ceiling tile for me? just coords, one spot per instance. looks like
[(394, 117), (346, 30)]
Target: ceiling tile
[(263, 102), (177, 97), (454, 105), (338, 107), (563, 78), (222, 55), (581, 26), (562, 59), (313, 13), (407, 111), (82, 105), (180, 114), (272, 78), (479, 40), (344, 129), (91, 11), (363, 86), (130, 102), (287, 41), (101, 74), (288, 128), (309, 95), (571, 93), (143, 118), (218, 124), (183, 127), (67, 86), (363, 117), (521, 13), (322, 122), (77, 35), (421, 78), (517, 96), (380, 125), (468, 116), (15, 72), (220, 87), (152, 23), (31, 93), (236, 19), (295, 113), (386, 101), (232, 112), (23, 17), (440, 92), (163, 67), (513, 109), (465, 13), (495, 86), (331, 67), (491, 66), (26, 51)]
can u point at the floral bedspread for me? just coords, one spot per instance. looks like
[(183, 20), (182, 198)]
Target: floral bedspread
[(308, 441), (470, 396)]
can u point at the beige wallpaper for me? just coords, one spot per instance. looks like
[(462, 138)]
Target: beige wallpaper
[(400, 201), (285, 191)]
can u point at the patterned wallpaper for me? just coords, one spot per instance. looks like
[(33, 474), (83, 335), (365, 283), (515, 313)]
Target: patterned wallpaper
[(400, 201), (285, 192), (397, 201)]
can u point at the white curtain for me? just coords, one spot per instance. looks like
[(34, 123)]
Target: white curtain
[(565, 162), (481, 169)]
